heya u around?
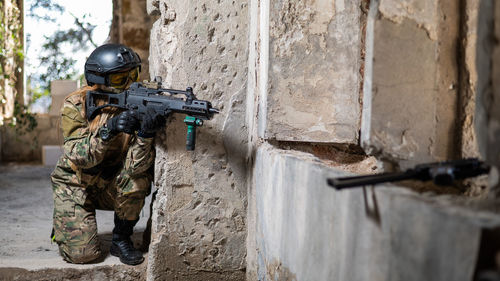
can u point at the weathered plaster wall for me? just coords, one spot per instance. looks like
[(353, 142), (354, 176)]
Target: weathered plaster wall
[(199, 221), (468, 78), (26, 147), (416, 108), (411, 81), (311, 89), (289, 71)]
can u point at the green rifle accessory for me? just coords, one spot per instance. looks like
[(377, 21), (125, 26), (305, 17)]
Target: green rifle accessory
[(192, 123)]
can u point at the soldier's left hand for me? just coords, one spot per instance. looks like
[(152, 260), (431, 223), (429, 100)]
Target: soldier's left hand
[(127, 122)]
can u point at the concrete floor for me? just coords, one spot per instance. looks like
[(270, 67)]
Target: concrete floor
[(26, 221)]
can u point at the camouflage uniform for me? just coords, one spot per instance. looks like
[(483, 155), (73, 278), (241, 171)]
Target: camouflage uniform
[(95, 174)]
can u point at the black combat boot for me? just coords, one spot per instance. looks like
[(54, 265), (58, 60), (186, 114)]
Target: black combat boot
[(121, 245)]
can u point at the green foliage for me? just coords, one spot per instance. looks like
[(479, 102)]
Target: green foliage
[(23, 121), (13, 29), (54, 62), (11, 49), (10, 31), (37, 92)]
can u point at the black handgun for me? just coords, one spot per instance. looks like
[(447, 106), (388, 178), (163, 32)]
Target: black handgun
[(143, 97), (442, 173)]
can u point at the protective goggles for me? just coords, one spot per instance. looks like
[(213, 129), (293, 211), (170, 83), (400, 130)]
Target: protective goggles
[(121, 78)]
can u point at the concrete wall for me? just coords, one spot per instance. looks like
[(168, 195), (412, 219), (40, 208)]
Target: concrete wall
[(469, 78), (411, 65), (305, 230), (59, 90), (199, 218), (309, 80), (22, 146), (27, 147), (488, 67)]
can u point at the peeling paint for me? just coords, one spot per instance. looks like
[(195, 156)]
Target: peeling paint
[(323, 13), (277, 272), (318, 127), (402, 147), (303, 36), (423, 12)]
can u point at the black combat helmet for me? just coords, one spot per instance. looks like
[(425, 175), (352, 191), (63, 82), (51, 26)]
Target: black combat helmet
[(107, 59)]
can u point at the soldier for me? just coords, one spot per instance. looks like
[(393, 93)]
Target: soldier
[(106, 164)]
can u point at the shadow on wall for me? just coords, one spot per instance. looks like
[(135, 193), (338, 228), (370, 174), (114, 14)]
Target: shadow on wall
[(488, 262)]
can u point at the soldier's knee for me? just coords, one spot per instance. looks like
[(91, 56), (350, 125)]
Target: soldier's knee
[(77, 239), (137, 186), (80, 254)]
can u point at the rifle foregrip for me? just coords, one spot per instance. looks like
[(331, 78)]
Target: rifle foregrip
[(191, 137), (192, 123)]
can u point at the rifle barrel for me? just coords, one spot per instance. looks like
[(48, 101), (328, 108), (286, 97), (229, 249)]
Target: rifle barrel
[(347, 182)]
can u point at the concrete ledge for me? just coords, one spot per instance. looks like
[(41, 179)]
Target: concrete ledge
[(305, 230), (103, 272)]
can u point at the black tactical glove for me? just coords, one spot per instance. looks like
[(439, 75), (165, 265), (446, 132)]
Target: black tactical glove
[(151, 123), (127, 122)]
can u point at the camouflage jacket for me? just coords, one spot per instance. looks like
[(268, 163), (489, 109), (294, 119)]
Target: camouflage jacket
[(92, 160)]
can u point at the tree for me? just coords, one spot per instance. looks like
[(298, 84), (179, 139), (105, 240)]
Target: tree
[(54, 60), (11, 56)]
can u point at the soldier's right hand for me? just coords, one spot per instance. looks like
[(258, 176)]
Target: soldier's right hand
[(127, 122)]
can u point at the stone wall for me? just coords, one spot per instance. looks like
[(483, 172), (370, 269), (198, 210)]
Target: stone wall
[(305, 230), (199, 220), (309, 81), (23, 145), (27, 147), (411, 65)]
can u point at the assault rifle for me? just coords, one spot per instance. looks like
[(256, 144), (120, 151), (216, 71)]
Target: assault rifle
[(142, 97), (442, 173)]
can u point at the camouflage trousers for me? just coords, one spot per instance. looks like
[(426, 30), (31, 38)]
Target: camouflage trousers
[(74, 220)]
